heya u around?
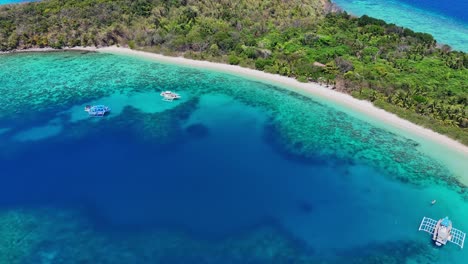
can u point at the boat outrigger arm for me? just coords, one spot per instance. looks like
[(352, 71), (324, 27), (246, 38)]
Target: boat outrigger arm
[(456, 236)]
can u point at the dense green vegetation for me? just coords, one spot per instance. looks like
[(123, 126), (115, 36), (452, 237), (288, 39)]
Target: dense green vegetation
[(399, 70)]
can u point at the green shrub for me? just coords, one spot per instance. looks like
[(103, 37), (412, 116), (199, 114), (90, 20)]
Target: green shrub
[(131, 44), (233, 60), (261, 63)]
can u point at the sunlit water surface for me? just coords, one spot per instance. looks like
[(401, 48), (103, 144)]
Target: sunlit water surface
[(237, 171)]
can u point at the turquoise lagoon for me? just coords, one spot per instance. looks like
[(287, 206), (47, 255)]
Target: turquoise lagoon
[(4, 2), (238, 171), (446, 20)]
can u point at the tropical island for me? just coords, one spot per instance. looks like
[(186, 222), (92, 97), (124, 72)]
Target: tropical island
[(214, 131), (402, 71)]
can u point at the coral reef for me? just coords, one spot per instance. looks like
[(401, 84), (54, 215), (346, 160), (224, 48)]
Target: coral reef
[(308, 129), (53, 235), (305, 127)]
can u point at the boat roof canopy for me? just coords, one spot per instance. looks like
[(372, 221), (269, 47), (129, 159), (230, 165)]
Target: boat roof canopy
[(445, 221)]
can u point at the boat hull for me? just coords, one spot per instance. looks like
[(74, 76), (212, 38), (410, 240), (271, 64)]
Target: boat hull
[(97, 111)]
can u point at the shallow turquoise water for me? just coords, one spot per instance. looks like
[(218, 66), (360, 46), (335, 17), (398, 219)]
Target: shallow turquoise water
[(3, 2), (447, 26), (238, 171)]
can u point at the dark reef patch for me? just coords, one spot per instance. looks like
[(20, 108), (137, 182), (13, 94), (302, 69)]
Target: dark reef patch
[(64, 236), (294, 151)]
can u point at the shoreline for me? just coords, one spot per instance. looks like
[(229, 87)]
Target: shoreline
[(361, 109), (49, 49), (311, 89)]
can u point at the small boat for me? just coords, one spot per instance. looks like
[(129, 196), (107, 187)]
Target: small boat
[(442, 231), (169, 96), (433, 202), (97, 110)]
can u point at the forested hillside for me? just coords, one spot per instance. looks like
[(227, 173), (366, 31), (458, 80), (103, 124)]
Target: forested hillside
[(399, 70)]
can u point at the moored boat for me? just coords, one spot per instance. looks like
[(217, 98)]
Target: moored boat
[(97, 110), (169, 96), (442, 231)]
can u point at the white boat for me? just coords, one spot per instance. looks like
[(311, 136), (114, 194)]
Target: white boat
[(97, 110), (169, 96), (442, 231)]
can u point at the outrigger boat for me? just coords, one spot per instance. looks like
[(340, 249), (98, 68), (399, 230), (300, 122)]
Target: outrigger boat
[(97, 110), (169, 96), (442, 231)]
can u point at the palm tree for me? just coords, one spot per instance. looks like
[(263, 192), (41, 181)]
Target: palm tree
[(450, 122)]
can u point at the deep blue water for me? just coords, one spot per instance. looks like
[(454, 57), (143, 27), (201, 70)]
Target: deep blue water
[(452, 8), (125, 183), (221, 176), (447, 21), (231, 158)]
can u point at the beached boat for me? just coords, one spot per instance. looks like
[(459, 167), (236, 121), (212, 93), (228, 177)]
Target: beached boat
[(169, 96), (442, 231), (97, 110)]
